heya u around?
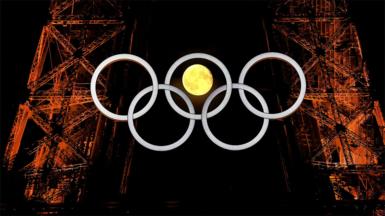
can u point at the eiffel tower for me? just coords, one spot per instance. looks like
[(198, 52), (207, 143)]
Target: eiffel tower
[(339, 121), (57, 132)]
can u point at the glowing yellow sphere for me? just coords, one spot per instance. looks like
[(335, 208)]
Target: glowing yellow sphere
[(197, 79)]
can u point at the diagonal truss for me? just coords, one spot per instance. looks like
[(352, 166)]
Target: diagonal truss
[(60, 105), (336, 125)]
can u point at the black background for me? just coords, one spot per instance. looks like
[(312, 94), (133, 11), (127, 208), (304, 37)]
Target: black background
[(198, 175)]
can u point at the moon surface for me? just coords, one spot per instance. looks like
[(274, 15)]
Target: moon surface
[(197, 79)]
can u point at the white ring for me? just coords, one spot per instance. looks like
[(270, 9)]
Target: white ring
[(147, 144), (298, 69), (215, 140), (199, 56), (124, 57)]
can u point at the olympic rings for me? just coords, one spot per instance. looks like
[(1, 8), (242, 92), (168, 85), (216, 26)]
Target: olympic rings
[(191, 114)]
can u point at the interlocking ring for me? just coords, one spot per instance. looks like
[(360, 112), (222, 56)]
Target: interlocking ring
[(124, 57), (199, 56), (215, 140), (149, 145), (298, 69), (205, 114)]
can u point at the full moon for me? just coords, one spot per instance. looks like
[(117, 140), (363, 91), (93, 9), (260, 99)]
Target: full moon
[(197, 79)]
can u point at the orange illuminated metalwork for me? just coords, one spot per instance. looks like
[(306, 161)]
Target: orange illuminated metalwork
[(60, 104), (58, 131), (335, 128)]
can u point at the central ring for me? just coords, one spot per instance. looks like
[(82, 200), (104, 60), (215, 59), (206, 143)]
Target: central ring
[(198, 56)]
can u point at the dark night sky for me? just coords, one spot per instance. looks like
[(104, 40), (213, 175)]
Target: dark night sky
[(22, 21)]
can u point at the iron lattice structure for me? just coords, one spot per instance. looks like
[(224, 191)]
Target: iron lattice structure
[(57, 130), (339, 127)]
